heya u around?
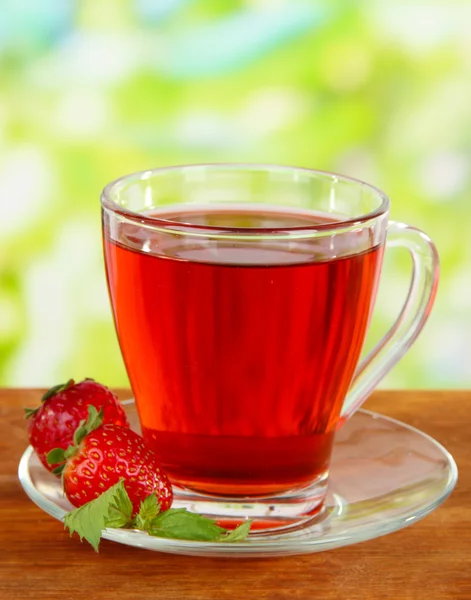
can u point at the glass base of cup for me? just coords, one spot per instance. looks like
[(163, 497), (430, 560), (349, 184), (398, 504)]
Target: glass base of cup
[(288, 511)]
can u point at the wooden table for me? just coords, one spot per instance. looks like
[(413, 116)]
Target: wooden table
[(431, 559)]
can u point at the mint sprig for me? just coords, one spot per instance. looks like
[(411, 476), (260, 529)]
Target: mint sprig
[(120, 509), (178, 523), (238, 534), (113, 508), (148, 511), (90, 519)]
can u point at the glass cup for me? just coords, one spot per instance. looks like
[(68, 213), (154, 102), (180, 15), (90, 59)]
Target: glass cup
[(242, 296)]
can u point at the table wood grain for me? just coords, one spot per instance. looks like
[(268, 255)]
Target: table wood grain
[(431, 559)]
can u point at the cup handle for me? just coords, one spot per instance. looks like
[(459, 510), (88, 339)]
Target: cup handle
[(410, 321)]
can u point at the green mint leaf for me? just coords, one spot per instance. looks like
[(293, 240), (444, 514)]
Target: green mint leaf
[(120, 510), (149, 507), (148, 511), (178, 523), (55, 456), (238, 534), (89, 520), (55, 389)]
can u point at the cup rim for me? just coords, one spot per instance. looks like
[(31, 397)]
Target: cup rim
[(108, 203)]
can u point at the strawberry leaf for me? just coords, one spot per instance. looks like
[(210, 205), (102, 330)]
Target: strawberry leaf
[(178, 523), (56, 389), (148, 510), (89, 520), (80, 432), (56, 456), (94, 420), (30, 412)]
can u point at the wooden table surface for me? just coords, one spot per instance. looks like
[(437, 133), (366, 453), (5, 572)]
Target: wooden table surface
[(431, 559)]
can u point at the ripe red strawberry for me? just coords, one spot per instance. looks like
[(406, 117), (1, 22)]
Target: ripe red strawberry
[(105, 454), (63, 408)]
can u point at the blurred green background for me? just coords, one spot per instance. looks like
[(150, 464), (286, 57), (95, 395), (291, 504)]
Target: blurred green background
[(93, 89)]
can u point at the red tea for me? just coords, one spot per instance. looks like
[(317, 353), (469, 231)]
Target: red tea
[(239, 354)]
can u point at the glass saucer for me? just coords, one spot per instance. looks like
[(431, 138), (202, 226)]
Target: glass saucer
[(384, 476)]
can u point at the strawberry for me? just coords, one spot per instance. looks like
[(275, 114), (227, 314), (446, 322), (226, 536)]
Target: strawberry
[(63, 408), (102, 456), (115, 481)]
